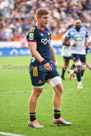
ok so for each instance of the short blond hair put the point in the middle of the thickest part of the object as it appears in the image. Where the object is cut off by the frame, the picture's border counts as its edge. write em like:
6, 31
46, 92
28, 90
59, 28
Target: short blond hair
41, 11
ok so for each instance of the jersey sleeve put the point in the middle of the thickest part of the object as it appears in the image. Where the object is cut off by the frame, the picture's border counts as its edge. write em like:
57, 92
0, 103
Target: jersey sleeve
68, 34
32, 36
87, 34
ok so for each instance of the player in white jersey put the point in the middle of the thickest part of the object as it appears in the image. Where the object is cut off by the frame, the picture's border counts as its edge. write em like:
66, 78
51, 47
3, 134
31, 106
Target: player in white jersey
79, 35
66, 53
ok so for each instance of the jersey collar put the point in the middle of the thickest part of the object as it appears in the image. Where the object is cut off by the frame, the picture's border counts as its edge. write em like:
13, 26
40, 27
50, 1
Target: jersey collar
42, 30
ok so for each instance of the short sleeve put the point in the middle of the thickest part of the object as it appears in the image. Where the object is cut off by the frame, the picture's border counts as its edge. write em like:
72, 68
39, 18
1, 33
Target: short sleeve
87, 34
32, 36
68, 34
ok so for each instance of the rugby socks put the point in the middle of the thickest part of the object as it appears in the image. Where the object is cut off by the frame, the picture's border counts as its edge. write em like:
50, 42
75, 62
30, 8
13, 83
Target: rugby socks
78, 76
73, 66
82, 74
32, 116
63, 72
75, 71
57, 114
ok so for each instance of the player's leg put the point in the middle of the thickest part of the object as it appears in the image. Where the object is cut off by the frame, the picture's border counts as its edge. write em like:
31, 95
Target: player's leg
83, 60
78, 65
88, 65
32, 106
57, 98
38, 80
33, 98
71, 71
54, 81
78, 72
66, 63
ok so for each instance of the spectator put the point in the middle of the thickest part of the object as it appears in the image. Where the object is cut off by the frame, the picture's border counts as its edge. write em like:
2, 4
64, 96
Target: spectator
18, 16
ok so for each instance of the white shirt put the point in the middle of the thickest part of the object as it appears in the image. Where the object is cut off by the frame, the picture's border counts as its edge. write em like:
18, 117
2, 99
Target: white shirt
66, 50
79, 38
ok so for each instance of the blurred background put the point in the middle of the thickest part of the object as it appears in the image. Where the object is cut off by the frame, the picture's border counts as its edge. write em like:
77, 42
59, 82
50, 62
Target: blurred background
18, 16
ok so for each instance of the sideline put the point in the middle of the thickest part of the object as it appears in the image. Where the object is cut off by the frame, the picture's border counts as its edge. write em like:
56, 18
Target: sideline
9, 134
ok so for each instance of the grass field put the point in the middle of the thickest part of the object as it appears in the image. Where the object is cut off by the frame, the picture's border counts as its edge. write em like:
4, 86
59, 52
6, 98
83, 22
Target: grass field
15, 89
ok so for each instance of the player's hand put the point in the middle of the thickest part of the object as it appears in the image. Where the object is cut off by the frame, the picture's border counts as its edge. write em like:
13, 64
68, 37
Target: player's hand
48, 67
88, 46
74, 45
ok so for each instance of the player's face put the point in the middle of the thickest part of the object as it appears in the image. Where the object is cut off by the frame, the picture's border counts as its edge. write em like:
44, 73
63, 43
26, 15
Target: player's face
44, 20
78, 25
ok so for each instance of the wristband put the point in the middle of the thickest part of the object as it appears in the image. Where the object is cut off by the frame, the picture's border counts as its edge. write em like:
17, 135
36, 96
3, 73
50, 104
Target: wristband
55, 63
71, 43
44, 62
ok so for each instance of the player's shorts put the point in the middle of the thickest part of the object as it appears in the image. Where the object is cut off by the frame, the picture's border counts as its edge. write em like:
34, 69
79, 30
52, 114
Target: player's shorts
81, 57
67, 58
39, 75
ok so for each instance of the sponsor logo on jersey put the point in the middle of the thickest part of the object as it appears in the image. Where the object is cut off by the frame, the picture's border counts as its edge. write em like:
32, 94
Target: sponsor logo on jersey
48, 33
32, 29
31, 36
45, 41
42, 34
79, 38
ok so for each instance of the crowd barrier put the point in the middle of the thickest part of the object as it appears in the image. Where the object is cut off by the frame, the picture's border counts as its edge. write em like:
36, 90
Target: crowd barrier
23, 51
16, 49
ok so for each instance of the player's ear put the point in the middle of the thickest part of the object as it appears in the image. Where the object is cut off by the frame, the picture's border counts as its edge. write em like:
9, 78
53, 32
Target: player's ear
38, 19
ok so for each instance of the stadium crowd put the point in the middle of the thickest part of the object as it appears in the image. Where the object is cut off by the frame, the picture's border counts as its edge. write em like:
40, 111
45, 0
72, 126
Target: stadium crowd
18, 16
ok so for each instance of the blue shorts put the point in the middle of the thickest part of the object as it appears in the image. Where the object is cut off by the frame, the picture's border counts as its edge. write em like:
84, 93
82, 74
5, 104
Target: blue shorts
82, 58
67, 58
39, 75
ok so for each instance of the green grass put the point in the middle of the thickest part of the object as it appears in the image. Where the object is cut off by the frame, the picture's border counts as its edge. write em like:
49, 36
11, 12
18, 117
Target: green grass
15, 89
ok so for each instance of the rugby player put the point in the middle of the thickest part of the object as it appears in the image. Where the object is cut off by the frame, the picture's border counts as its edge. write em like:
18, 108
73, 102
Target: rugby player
78, 35
42, 69
66, 53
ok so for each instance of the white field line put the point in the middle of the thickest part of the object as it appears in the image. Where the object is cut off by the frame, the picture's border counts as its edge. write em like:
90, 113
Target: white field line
9, 134
16, 92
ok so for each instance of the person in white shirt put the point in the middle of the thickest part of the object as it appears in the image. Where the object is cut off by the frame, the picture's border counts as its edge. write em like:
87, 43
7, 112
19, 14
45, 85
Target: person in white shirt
78, 35
66, 53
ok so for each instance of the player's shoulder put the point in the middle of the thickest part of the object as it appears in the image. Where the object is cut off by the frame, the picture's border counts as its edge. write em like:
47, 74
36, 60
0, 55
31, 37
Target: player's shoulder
83, 28
32, 31
47, 29
72, 29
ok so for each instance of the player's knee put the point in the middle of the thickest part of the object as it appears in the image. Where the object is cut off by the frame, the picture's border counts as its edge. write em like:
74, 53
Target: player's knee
37, 91
83, 67
59, 90
79, 66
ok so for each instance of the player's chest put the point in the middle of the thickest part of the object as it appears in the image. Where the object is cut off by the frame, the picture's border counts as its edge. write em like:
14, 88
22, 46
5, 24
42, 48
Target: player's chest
78, 36
44, 38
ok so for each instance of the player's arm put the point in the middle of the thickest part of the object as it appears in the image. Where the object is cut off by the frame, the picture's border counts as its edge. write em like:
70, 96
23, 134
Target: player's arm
53, 56
86, 43
86, 40
32, 43
66, 42
34, 52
